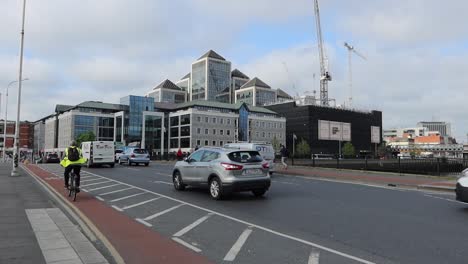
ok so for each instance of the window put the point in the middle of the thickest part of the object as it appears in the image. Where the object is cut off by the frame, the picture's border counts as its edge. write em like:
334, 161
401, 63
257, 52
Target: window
281, 125
213, 120
206, 131
174, 143
206, 119
228, 132
185, 120
269, 135
206, 142
221, 132
198, 130
245, 156
174, 121
280, 135
276, 125
257, 134
214, 131
198, 118
256, 124
228, 121
174, 132
263, 134
198, 142
195, 157
269, 125
263, 124
221, 143
185, 131
221, 120
185, 142
209, 156
214, 143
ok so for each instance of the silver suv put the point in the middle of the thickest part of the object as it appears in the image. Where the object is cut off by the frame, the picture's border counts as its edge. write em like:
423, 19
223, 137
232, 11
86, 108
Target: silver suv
224, 171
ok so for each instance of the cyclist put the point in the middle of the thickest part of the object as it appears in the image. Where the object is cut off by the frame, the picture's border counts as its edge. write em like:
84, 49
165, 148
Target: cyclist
72, 161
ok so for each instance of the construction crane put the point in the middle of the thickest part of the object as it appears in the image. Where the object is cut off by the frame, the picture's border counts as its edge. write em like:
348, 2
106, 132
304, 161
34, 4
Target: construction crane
325, 76
351, 49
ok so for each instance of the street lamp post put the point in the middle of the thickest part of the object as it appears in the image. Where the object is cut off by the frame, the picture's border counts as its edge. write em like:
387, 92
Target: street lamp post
14, 171
6, 118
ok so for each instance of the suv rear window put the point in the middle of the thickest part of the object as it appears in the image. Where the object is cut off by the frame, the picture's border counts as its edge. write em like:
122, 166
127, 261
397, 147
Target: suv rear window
245, 156
53, 156
139, 151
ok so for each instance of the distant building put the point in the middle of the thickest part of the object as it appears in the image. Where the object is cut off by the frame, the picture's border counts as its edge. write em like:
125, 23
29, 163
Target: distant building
184, 83
256, 92
210, 76
444, 128
168, 92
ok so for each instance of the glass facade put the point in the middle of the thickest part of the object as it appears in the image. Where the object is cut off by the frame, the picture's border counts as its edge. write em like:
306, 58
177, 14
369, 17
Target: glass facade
243, 124
265, 97
153, 133
245, 96
184, 84
102, 127
137, 104
199, 80
219, 77
223, 98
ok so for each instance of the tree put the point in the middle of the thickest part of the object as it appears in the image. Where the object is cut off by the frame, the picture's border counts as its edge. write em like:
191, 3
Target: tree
276, 144
85, 136
303, 149
348, 150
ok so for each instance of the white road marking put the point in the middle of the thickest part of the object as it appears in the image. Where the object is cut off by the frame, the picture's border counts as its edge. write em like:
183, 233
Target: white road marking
104, 187
286, 183
314, 258
180, 241
132, 169
324, 248
100, 198
192, 225
162, 174
95, 183
445, 199
117, 208
163, 182
84, 190
140, 203
162, 212
90, 180
121, 190
126, 197
144, 222
231, 255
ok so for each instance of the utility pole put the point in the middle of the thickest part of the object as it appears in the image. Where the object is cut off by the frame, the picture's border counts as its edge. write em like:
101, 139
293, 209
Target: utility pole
351, 49
14, 171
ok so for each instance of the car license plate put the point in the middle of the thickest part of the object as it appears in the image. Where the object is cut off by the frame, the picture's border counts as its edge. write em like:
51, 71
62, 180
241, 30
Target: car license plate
252, 172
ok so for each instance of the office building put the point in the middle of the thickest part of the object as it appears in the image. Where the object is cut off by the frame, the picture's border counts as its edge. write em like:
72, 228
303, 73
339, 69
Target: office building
168, 92
210, 76
256, 92
443, 128
184, 83
26, 135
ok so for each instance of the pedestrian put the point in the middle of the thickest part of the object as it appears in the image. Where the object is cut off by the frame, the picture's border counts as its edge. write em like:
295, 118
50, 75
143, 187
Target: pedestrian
196, 147
180, 155
284, 155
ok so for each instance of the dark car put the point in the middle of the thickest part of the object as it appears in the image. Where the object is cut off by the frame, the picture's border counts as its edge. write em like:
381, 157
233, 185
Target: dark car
52, 158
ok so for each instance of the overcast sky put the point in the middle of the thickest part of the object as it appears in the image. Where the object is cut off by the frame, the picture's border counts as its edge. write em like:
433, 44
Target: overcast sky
416, 67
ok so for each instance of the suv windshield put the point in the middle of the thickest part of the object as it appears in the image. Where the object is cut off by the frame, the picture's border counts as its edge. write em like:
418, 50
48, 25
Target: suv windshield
245, 156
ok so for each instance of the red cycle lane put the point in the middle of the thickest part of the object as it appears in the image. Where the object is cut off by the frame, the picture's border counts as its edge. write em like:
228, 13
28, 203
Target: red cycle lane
134, 242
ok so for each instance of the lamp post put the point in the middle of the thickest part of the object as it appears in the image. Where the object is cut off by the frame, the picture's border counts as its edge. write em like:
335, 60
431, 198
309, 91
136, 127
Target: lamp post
6, 118
14, 171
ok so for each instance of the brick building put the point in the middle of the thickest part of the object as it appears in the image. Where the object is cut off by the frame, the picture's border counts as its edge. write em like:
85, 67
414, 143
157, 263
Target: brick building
26, 136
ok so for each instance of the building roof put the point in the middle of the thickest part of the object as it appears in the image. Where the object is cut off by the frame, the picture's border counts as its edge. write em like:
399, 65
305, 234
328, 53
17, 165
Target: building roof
255, 82
215, 104
101, 105
62, 108
283, 94
239, 74
212, 54
186, 76
167, 84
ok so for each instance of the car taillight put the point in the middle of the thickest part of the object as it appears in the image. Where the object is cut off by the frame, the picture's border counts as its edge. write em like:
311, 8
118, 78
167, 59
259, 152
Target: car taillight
132, 156
266, 165
229, 166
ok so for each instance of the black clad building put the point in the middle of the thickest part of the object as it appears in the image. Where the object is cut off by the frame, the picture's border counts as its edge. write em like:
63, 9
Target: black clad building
303, 120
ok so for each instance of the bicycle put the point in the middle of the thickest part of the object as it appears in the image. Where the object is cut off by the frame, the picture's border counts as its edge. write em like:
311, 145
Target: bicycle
71, 186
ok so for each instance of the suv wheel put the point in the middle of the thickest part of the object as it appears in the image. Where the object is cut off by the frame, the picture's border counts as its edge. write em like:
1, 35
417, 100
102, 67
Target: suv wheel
177, 181
216, 190
259, 192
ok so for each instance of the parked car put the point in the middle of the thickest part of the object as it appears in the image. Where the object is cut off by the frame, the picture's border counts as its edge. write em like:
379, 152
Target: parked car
223, 171
135, 156
461, 190
52, 158
265, 149
118, 153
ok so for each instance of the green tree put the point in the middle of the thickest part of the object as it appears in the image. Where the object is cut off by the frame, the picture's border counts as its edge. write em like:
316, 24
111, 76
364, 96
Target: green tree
348, 150
303, 149
85, 136
276, 144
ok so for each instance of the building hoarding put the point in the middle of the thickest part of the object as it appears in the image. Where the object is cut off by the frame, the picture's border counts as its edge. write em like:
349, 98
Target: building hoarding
375, 134
331, 130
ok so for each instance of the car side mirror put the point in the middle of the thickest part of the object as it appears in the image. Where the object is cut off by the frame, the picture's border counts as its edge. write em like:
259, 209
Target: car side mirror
187, 160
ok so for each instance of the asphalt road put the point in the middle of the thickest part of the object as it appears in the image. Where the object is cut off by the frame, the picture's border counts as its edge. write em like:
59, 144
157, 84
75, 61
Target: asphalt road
298, 221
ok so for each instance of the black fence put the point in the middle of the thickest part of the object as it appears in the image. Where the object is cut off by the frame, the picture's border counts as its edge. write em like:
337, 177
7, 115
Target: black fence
428, 166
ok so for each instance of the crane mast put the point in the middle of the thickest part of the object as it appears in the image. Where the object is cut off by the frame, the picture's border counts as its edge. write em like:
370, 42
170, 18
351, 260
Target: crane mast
324, 75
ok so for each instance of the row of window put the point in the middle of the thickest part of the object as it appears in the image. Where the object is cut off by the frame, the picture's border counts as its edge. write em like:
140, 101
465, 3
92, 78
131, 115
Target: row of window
184, 120
214, 143
214, 120
214, 131
268, 124
269, 135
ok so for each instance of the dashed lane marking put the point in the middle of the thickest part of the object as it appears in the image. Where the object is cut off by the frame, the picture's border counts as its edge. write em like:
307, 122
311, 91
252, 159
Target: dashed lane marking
192, 225
90, 180
95, 183
162, 182
104, 187
314, 258
126, 197
116, 191
140, 203
236, 248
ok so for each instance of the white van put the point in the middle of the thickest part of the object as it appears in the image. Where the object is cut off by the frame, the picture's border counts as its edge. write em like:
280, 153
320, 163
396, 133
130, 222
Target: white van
99, 153
265, 149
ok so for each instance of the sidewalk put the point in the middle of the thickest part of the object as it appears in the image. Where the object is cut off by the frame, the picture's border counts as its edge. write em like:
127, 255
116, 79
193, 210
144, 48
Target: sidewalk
33, 230
373, 177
